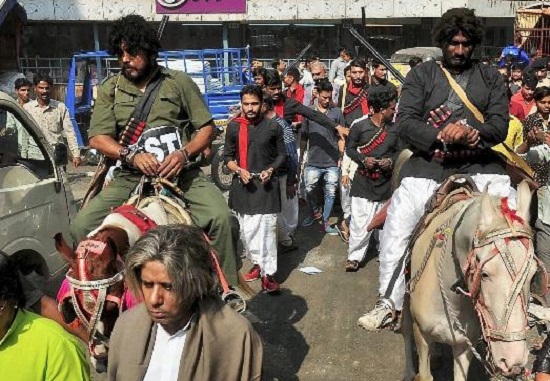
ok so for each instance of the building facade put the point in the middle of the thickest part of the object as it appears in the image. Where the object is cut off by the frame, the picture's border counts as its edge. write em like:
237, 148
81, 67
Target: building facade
280, 28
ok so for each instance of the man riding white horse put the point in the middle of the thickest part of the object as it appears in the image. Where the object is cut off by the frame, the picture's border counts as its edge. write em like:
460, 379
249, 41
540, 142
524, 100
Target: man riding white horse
446, 138
154, 121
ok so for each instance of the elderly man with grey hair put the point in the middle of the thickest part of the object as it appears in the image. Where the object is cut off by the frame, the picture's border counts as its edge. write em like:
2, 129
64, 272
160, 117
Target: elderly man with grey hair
182, 330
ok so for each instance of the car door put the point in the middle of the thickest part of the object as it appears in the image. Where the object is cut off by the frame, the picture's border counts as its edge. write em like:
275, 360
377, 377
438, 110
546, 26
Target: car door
33, 203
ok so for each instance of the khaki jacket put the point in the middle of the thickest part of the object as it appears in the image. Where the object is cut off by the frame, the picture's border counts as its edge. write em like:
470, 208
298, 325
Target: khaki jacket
220, 345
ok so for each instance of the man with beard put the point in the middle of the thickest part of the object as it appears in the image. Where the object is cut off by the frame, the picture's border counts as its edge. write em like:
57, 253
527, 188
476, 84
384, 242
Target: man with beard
177, 129
287, 108
373, 145
459, 143
254, 150
379, 81
355, 101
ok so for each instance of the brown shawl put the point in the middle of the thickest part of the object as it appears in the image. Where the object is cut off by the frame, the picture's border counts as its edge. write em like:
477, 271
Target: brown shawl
220, 345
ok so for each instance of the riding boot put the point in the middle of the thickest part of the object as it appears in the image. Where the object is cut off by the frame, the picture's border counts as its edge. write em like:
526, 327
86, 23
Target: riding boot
542, 362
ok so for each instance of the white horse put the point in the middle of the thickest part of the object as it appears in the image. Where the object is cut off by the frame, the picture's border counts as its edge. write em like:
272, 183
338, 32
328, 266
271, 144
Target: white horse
471, 271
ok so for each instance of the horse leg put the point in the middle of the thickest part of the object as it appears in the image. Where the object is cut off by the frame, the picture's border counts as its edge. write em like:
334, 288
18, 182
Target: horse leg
423, 347
462, 359
407, 332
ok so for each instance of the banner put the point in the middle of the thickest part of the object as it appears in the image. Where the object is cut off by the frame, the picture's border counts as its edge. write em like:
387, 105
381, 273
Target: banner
200, 6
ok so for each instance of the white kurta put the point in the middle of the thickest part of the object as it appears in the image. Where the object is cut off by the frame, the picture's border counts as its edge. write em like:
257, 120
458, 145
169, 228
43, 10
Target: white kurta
363, 211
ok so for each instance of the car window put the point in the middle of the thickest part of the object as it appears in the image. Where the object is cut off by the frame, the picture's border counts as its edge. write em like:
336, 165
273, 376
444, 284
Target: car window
18, 147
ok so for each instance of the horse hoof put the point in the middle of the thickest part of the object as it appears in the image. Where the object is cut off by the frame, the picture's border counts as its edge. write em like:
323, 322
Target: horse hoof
235, 301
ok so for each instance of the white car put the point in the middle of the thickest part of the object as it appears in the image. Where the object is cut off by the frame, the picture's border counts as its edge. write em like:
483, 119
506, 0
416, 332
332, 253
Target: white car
36, 201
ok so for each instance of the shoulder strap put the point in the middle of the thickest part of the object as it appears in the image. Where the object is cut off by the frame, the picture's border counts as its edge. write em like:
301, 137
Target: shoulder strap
143, 107
463, 97
510, 154
138, 119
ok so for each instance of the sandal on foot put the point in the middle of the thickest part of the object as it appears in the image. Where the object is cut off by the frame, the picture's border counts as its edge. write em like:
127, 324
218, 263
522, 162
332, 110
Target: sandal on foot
352, 266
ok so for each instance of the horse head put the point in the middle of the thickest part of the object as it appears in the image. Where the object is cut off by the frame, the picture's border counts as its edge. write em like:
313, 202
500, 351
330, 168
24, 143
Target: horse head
498, 274
95, 285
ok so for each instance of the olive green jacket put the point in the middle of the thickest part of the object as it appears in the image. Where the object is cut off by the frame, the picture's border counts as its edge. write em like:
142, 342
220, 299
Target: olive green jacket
179, 103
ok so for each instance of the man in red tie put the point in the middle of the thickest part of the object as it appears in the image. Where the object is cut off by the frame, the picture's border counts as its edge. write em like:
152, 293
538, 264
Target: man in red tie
254, 150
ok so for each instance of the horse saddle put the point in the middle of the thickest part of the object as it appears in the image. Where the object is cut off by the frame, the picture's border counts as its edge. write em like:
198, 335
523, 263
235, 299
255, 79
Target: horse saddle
454, 189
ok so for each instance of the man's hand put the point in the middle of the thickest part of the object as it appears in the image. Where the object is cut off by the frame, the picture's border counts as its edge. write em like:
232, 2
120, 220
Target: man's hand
291, 191
172, 164
345, 181
370, 162
77, 161
385, 164
244, 176
314, 93
342, 131
147, 163
439, 116
455, 133
547, 139
265, 175
473, 138
295, 125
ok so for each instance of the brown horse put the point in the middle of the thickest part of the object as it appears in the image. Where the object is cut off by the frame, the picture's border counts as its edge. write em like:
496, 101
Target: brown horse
94, 293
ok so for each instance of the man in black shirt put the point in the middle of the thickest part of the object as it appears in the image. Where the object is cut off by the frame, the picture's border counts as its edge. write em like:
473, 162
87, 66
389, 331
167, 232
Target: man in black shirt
373, 145
354, 96
444, 143
254, 149
379, 81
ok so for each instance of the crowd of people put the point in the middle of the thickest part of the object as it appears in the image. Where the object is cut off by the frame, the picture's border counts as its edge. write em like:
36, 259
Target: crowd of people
304, 136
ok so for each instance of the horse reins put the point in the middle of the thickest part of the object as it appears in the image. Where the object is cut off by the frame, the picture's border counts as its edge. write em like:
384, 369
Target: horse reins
96, 289
472, 271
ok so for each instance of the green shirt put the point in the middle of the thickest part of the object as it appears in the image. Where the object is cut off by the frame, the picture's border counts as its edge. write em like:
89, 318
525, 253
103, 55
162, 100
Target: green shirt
36, 349
179, 103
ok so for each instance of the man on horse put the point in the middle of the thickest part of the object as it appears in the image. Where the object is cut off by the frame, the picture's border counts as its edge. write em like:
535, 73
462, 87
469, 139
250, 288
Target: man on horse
174, 128
447, 137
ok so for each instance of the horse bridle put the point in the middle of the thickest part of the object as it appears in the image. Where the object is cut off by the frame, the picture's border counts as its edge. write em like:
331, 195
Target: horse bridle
95, 289
473, 270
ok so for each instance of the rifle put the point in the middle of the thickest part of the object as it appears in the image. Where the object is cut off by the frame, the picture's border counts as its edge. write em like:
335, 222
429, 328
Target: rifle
297, 59
162, 25
377, 55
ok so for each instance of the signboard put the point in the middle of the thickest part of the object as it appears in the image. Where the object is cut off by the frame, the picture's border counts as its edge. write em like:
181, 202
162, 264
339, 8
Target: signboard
200, 6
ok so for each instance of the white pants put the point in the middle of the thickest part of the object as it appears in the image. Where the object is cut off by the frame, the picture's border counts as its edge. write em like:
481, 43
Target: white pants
259, 236
287, 220
345, 200
363, 211
407, 207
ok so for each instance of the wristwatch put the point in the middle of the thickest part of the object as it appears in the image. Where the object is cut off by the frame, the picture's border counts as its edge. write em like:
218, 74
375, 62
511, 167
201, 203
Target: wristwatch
126, 155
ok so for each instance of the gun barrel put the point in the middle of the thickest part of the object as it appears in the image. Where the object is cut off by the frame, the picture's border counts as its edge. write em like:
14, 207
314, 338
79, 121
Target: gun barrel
377, 55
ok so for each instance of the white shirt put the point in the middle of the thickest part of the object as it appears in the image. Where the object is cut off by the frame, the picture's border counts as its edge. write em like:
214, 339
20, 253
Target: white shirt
166, 356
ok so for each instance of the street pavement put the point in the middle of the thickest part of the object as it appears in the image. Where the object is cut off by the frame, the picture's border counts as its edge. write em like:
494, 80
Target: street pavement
309, 329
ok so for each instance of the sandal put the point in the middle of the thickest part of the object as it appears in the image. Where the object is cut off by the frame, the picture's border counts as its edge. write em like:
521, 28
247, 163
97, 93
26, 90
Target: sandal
351, 266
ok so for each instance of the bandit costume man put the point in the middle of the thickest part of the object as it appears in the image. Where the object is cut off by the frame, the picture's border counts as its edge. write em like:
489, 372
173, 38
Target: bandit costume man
460, 143
158, 141
254, 150
355, 104
373, 145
